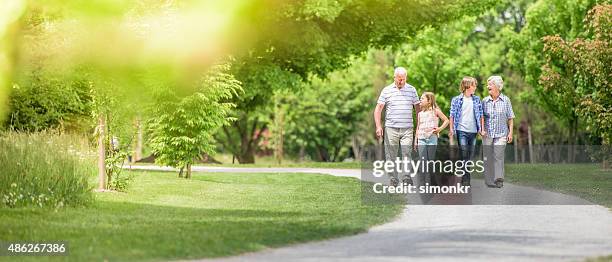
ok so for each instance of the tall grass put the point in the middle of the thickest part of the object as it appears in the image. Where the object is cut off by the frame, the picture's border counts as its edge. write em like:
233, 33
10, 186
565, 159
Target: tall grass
44, 170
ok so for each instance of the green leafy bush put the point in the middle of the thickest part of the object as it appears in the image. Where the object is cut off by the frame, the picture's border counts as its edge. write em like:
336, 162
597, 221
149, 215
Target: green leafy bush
181, 128
115, 177
44, 170
41, 101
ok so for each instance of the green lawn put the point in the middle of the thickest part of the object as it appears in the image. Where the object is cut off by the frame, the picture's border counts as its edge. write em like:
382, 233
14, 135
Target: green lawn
163, 217
600, 259
587, 181
308, 164
270, 161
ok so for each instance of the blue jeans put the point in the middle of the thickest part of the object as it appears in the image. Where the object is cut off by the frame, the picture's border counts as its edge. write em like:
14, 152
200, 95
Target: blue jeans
467, 146
427, 151
427, 147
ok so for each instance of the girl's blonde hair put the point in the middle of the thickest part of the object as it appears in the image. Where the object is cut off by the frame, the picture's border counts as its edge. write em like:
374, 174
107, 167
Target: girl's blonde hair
467, 82
432, 101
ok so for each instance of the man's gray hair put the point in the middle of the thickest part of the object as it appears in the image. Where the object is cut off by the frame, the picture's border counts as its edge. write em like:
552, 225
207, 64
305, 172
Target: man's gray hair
497, 81
400, 70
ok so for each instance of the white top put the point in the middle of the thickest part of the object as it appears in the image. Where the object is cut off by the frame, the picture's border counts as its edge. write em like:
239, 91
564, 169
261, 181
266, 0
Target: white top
428, 120
467, 120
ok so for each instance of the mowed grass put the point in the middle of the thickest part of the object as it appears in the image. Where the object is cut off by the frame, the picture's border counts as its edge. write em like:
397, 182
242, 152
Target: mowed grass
588, 181
309, 164
213, 214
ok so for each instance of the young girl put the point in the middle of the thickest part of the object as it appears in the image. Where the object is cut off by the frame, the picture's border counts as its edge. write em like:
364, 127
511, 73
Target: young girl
427, 129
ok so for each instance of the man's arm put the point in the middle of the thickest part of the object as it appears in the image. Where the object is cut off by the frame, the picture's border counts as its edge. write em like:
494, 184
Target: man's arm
377, 120
416, 133
417, 109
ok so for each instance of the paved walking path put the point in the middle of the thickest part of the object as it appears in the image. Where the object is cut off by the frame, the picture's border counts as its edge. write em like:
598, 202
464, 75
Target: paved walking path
514, 223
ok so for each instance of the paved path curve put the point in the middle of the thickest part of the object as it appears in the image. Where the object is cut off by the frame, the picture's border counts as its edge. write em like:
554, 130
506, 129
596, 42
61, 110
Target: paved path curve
524, 224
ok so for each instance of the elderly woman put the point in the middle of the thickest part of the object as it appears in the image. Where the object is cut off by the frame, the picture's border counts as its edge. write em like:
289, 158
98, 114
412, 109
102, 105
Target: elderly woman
498, 122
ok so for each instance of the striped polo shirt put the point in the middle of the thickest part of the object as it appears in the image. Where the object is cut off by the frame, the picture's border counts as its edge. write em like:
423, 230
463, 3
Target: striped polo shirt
399, 104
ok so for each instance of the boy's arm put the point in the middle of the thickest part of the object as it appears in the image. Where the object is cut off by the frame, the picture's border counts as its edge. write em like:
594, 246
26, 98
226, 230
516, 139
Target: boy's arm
451, 129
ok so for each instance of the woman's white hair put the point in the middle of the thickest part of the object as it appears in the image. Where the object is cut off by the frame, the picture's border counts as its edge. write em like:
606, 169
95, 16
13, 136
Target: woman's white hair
400, 71
497, 81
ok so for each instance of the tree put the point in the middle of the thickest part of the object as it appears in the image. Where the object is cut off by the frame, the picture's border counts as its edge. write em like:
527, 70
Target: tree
437, 59
547, 18
322, 117
318, 37
181, 128
276, 45
578, 72
43, 100
114, 131
254, 106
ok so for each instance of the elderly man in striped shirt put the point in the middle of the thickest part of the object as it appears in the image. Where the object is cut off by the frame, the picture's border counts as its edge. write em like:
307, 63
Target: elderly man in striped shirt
399, 99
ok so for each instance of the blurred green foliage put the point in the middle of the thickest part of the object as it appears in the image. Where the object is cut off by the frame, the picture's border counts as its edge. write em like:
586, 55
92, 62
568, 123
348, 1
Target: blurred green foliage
307, 38
43, 101
72, 62
323, 115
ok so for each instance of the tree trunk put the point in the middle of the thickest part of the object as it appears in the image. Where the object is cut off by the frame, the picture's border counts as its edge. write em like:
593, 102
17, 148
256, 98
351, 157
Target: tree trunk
279, 124
247, 156
279, 150
247, 150
516, 153
551, 157
188, 176
180, 175
302, 153
356, 149
242, 138
138, 148
323, 155
571, 155
101, 153
530, 142
335, 157
278, 147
